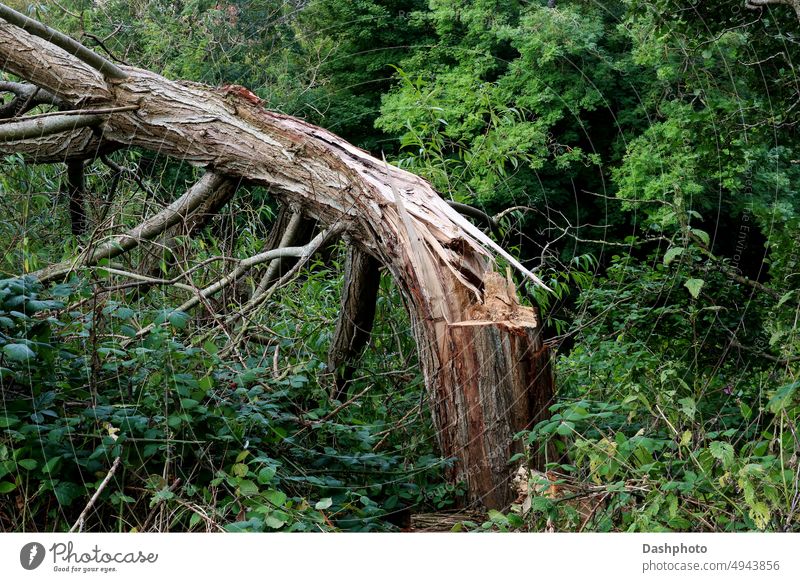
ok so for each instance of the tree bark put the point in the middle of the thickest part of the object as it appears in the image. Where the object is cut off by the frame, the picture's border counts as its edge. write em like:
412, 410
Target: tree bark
291, 229
486, 370
362, 278
75, 188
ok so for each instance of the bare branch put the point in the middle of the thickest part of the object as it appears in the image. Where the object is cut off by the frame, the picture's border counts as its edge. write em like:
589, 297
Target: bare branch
75, 187
759, 4
35, 128
27, 97
147, 230
468, 210
288, 238
303, 254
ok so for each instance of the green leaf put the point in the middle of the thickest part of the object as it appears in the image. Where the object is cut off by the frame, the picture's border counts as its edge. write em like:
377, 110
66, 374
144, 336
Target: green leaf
178, 319
324, 503
239, 469
277, 498
247, 488
28, 464
759, 513
6, 487
671, 254
565, 428
7, 421
688, 406
785, 297
274, 522
266, 475
50, 465
18, 352
702, 235
782, 398
194, 520
722, 451
694, 286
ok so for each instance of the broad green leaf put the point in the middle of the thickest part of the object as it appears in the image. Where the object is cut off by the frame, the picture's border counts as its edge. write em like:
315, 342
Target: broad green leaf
6, 487
722, 451
274, 522
248, 488
782, 398
694, 286
277, 498
28, 464
266, 475
18, 352
672, 254
702, 235
7, 421
324, 503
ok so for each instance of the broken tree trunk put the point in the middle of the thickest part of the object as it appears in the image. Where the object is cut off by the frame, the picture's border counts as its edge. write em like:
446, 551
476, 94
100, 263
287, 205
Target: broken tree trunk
486, 370
353, 327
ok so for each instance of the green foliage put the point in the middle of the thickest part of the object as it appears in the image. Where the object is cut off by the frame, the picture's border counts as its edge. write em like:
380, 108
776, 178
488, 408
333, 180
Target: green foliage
642, 158
221, 444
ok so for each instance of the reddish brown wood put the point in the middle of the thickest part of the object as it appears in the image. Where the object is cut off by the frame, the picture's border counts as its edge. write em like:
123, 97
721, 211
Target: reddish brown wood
481, 354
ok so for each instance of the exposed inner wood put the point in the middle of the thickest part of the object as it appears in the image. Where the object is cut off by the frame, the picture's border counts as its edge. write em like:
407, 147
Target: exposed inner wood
484, 382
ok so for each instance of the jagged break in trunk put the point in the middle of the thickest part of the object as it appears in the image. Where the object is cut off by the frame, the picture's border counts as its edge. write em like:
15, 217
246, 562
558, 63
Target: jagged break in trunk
486, 371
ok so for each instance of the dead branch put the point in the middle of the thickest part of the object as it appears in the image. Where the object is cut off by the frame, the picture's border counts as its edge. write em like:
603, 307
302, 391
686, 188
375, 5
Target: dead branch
147, 230
35, 128
760, 4
301, 253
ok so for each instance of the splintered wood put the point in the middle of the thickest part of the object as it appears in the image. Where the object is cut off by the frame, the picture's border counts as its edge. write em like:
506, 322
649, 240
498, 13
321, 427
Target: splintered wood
486, 369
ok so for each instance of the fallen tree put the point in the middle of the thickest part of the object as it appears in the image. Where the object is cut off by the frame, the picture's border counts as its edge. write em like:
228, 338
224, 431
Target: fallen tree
486, 369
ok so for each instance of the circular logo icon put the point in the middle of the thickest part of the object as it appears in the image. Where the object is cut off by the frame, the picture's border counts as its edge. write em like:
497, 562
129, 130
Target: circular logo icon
31, 555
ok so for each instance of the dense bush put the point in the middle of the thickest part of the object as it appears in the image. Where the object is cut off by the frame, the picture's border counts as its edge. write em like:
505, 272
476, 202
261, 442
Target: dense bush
641, 156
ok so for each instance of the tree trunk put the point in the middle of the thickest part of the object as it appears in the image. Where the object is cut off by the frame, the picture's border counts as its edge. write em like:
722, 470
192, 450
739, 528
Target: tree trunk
291, 229
362, 278
486, 371
75, 187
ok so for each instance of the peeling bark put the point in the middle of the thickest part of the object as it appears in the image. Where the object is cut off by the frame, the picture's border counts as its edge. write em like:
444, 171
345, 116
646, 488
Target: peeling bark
486, 370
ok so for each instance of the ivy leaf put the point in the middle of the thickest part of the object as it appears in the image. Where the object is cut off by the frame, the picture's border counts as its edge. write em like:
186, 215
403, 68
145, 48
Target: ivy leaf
694, 286
18, 352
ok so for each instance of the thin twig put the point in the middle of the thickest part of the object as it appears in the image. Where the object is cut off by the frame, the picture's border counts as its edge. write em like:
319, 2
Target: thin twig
78, 525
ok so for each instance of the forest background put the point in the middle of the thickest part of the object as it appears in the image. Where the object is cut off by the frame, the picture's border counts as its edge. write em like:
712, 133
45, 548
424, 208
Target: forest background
639, 156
